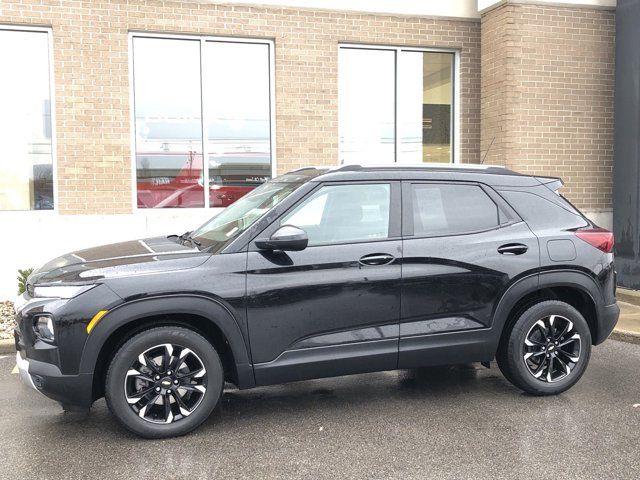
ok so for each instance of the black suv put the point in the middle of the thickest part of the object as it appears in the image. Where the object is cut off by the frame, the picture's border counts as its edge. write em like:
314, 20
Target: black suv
325, 272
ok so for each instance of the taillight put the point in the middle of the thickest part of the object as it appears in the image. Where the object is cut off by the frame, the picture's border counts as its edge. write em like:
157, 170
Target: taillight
600, 238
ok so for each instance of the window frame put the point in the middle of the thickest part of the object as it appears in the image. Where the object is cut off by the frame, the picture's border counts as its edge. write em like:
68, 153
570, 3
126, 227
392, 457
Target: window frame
205, 150
455, 98
408, 232
52, 108
395, 224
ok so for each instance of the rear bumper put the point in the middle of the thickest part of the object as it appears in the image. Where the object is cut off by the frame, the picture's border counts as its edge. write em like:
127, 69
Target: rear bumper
608, 320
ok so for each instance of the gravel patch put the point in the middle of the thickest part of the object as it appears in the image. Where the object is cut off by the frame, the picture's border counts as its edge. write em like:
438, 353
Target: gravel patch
7, 320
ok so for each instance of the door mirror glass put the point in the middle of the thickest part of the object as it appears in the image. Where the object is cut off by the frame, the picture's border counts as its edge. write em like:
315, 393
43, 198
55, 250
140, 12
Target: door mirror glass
286, 237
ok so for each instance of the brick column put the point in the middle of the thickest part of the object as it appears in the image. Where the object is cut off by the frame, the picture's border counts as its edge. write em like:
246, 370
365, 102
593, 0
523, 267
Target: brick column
547, 96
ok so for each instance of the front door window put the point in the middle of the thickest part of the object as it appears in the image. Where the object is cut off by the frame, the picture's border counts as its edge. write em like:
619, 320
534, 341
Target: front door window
344, 213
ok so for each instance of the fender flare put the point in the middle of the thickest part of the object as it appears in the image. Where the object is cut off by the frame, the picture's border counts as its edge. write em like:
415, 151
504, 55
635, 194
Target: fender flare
547, 279
132, 311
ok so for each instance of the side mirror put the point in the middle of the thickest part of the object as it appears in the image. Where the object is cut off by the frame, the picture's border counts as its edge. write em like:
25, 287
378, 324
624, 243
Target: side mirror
286, 237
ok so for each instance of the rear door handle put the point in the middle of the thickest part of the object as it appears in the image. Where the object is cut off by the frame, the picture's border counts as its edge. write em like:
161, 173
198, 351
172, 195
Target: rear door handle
377, 259
513, 249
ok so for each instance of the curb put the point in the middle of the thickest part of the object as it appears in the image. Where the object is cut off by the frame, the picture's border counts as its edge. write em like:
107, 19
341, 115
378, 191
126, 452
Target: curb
625, 336
629, 296
7, 346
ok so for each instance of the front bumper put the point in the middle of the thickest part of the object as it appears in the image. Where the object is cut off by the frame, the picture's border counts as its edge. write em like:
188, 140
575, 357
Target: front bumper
23, 368
72, 391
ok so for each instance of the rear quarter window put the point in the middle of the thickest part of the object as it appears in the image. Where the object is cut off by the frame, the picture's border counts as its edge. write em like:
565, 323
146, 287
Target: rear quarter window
540, 213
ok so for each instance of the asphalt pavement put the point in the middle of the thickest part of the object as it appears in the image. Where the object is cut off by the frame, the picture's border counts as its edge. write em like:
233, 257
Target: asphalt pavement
462, 422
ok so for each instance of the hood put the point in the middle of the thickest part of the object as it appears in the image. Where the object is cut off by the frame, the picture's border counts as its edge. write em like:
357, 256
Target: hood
136, 257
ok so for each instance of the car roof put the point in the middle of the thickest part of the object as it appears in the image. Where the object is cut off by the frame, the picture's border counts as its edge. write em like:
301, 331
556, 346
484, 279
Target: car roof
489, 174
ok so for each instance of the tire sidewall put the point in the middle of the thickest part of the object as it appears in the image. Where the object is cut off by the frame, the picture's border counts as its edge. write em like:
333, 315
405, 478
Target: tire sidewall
516, 347
129, 352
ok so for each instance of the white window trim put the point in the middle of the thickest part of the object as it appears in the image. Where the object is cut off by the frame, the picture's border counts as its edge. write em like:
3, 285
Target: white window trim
52, 107
205, 152
455, 118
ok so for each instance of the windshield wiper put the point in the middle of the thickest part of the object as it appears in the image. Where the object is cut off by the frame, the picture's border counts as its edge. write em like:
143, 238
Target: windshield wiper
186, 237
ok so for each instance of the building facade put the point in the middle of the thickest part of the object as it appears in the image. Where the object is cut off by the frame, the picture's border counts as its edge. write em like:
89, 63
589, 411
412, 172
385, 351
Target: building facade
116, 114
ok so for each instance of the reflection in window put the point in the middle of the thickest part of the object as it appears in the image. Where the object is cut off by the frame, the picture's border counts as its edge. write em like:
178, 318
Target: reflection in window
175, 81
424, 106
168, 122
366, 105
26, 163
236, 104
447, 209
395, 105
344, 213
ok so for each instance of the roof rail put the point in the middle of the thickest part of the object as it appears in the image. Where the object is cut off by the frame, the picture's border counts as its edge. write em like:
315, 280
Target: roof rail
426, 165
475, 166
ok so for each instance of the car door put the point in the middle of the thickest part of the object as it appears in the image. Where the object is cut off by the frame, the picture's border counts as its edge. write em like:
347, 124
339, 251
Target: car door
463, 246
334, 307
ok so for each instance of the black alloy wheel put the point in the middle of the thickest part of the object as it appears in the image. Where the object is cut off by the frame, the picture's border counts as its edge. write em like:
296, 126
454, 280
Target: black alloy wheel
164, 382
552, 348
545, 348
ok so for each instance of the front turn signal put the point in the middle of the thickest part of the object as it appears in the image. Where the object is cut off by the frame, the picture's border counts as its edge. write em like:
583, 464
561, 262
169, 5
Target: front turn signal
94, 321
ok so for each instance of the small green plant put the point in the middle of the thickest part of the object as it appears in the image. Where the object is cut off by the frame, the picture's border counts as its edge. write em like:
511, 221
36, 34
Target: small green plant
22, 279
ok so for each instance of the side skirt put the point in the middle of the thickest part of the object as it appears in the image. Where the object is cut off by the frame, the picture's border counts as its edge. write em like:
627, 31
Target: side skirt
449, 348
329, 361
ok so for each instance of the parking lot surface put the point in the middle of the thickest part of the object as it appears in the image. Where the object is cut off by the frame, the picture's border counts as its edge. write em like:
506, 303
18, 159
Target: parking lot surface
450, 422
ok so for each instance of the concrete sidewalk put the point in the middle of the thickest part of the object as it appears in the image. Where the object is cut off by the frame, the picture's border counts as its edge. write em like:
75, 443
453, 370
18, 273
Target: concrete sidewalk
628, 328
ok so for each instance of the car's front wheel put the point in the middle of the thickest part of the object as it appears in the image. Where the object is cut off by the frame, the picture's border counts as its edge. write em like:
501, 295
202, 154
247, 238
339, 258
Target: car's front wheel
164, 382
547, 349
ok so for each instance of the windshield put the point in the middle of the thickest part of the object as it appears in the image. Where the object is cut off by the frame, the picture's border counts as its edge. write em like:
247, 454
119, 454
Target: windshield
239, 216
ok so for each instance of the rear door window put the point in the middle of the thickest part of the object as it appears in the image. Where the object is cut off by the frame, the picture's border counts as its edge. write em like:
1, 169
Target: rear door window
451, 209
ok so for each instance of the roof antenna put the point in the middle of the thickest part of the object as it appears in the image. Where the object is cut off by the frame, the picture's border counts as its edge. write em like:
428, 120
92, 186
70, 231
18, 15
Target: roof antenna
485, 153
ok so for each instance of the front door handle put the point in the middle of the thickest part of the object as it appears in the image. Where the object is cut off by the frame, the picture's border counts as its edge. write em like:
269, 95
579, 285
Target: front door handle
513, 249
376, 259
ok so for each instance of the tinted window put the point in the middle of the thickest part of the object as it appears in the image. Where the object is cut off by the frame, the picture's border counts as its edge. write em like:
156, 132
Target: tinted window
541, 213
344, 213
447, 209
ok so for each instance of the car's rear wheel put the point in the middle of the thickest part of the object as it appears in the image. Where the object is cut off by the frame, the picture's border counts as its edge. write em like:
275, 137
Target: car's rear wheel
164, 382
547, 349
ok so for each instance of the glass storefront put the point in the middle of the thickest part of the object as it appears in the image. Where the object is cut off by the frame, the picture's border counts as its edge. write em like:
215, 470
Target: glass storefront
395, 105
26, 162
181, 85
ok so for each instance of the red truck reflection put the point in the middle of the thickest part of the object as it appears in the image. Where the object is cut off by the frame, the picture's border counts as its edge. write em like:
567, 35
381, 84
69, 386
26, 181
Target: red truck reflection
186, 189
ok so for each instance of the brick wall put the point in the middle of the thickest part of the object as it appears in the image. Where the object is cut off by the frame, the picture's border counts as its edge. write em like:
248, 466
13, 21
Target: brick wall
90, 42
547, 95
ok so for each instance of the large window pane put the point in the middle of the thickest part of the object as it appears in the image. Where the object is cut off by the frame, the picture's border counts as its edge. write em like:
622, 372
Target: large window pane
167, 98
26, 163
366, 105
395, 105
424, 106
236, 106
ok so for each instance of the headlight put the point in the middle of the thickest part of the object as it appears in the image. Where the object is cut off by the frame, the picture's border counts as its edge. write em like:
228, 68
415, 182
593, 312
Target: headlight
43, 326
62, 291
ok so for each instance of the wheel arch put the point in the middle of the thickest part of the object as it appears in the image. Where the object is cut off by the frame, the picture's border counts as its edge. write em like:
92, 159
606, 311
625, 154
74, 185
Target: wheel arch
204, 315
576, 288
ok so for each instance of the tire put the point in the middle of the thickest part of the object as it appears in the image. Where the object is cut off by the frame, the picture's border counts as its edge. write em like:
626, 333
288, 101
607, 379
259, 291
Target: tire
192, 391
547, 348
